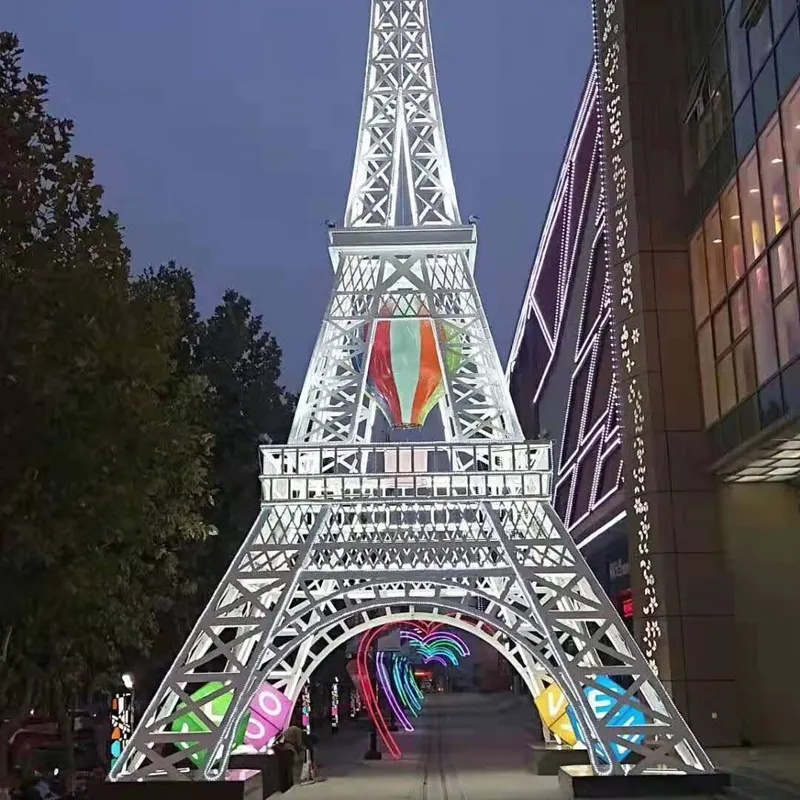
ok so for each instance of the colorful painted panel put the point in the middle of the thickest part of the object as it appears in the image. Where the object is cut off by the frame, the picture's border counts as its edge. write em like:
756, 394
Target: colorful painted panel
405, 372
121, 724
215, 710
269, 714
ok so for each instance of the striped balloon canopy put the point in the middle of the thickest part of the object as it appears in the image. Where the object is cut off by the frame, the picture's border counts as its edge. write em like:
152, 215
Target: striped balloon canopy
404, 376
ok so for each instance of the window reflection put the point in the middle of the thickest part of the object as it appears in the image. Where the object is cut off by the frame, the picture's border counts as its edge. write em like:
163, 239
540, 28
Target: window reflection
760, 41
745, 368
762, 322
715, 258
782, 10
791, 142
740, 314
732, 233
787, 327
708, 376
727, 384
722, 331
781, 265
699, 280
737, 57
752, 216
773, 183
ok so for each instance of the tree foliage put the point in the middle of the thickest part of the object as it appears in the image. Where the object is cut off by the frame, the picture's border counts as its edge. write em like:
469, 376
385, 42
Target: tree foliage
245, 405
103, 442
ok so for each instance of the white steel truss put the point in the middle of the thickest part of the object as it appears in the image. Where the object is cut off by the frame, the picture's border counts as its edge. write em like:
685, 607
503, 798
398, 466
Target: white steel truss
353, 534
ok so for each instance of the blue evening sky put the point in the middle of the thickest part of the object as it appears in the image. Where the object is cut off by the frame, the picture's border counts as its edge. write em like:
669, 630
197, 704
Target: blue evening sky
224, 132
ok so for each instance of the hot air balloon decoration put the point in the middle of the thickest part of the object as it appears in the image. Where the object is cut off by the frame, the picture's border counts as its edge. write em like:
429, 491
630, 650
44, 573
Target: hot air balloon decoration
405, 376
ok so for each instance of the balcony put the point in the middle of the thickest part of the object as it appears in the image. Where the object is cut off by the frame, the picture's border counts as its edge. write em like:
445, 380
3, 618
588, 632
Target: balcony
399, 473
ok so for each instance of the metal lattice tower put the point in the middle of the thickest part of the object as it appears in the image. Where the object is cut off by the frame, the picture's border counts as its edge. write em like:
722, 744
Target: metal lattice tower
353, 534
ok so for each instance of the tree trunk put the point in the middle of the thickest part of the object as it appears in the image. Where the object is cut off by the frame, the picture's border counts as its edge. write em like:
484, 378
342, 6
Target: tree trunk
7, 729
66, 733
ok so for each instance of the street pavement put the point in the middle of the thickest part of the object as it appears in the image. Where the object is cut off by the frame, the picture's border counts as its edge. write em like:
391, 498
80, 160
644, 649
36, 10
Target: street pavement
465, 747
478, 747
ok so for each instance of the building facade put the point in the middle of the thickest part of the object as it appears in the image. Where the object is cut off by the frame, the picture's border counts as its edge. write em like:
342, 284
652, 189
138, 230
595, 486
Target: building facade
697, 206
561, 369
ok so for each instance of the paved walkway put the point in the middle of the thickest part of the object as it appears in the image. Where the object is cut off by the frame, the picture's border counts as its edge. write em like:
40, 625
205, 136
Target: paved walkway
476, 747
465, 747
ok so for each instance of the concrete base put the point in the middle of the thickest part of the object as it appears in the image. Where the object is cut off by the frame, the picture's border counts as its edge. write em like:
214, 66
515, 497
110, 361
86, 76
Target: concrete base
239, 784
578, 781
265, 764
549, 758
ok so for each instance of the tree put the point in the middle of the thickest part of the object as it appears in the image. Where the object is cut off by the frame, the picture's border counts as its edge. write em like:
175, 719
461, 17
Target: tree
103, 446
245, 405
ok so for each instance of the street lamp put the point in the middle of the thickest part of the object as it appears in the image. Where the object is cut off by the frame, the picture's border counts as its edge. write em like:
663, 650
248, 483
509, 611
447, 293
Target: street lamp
127, 680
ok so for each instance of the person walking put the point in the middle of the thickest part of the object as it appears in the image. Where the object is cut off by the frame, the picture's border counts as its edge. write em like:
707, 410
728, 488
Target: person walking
292, 740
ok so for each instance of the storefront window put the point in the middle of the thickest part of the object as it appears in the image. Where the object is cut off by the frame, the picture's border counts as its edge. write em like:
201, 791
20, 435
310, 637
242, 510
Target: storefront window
722, 330
715, 258
762, 321
781, 265
745, 368
752, 215
727, 384
787, 326
791, 143
732, 233
740, 314
773, 183
699, 280
708, 377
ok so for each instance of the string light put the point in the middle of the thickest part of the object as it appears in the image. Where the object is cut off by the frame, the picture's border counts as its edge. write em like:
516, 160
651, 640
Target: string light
335, 704
306, 707
606, 30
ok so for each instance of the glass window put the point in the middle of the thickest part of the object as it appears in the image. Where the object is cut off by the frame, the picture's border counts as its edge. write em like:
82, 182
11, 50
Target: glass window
787, 57
773, 182
717, 60
740, 314
760, 41
722, 330
745, 368
727, 384
715, 258
797, 246
791, 143
762, 322
752, 218
765, 94
744, 127
737, 56
787, 326
781, 265
708, 377
699, 279
782, 10
732, 233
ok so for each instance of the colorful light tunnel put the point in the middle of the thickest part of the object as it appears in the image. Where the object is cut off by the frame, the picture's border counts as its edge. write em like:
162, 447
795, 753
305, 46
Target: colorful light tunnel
395, 681
395, 676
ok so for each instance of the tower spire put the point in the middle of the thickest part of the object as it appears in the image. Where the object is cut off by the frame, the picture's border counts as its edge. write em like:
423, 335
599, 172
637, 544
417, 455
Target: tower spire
401, 135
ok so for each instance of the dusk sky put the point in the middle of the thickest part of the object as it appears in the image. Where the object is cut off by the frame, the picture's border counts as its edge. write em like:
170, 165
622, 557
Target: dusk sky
224, 132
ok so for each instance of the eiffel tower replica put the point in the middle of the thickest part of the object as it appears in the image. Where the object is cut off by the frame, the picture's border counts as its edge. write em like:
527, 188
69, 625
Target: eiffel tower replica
353, 533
